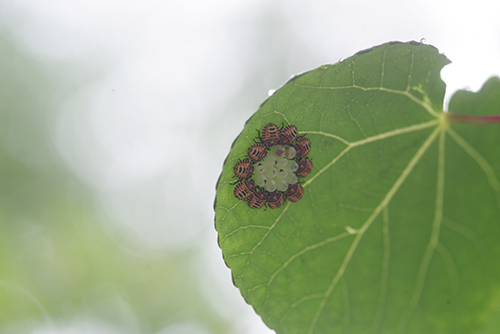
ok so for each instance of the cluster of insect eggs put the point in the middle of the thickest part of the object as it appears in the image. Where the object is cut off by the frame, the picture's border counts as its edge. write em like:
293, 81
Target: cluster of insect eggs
277, 160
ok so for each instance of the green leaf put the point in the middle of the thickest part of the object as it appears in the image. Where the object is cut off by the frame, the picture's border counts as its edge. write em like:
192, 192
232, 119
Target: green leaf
485, 102
399, 227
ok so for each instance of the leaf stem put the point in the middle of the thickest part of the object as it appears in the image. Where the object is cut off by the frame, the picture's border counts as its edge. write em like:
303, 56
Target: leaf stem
472, 119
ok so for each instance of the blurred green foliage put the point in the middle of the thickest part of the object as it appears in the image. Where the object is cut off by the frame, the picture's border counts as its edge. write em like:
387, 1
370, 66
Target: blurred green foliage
57, 258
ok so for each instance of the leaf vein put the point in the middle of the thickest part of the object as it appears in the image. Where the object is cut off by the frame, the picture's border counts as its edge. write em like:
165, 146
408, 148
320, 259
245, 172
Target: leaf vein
369, 221
285, 209
423, 103
381, 136
300, 253
451, 269
384, 279
433, 240
481, 161
243, 228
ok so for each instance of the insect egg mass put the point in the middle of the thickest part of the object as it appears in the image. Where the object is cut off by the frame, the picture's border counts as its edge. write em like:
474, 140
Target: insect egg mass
276, 170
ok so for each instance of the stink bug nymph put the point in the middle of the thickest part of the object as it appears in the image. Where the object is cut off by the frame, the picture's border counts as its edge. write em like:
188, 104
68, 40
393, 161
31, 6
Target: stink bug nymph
294, 192
258, 199
303, 147
257, 152
244, 189
305, 167
270, 135
243, 169
288, 135
275, 199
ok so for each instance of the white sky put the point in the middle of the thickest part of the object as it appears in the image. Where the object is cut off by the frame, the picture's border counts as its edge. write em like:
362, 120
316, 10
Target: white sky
151, 131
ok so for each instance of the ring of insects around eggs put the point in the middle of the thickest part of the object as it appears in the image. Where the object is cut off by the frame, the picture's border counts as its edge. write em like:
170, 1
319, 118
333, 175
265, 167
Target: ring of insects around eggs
270, 173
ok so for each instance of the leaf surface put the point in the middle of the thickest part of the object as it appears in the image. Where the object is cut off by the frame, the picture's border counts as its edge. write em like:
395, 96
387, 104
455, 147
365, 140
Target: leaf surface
398, 228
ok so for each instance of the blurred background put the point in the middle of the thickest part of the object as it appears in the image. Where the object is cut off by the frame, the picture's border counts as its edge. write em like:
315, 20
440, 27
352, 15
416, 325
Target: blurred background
115, 119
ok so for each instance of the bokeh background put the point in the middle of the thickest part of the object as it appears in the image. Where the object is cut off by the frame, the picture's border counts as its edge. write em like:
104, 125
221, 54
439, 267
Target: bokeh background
115, 119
